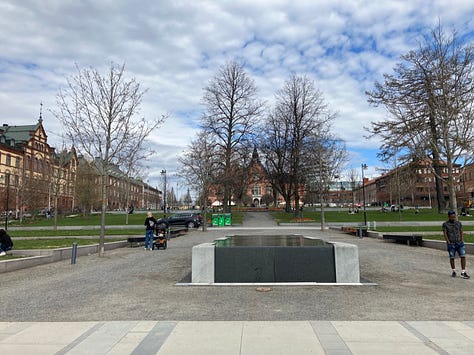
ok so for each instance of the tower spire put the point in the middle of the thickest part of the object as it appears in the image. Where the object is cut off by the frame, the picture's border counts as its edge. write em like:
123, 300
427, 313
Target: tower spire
41, 113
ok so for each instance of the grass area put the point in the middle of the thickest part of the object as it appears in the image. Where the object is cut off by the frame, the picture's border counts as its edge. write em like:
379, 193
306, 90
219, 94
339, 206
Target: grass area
54, 243
372, 215
79, 220
237, 217
90, 220
118, 219
73, 233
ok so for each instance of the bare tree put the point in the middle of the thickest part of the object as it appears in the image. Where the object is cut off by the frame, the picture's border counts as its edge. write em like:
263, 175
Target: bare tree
133, 162
299, 114
231, 112
326, 157
198, 168
187, 200
99, 115
353, 179
430, 98
86, 187
58, 179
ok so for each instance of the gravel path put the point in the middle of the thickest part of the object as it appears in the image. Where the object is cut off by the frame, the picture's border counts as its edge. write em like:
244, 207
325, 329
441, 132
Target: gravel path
413, 283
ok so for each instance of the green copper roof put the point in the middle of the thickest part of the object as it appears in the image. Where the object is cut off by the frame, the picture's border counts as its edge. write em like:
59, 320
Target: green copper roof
19, 134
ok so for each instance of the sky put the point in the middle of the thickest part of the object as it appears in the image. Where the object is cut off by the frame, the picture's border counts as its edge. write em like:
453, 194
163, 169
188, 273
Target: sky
175, 47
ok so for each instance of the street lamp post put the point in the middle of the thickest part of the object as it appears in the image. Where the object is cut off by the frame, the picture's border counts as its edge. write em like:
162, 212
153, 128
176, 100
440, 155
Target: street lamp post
163, 172
364, 166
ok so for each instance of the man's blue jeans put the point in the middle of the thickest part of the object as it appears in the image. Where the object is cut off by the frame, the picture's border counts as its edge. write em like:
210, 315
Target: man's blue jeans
5, 249
149, 239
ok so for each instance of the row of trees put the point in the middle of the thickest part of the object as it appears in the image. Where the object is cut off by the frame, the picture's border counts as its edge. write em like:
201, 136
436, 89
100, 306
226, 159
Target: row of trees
294, 139
430, 98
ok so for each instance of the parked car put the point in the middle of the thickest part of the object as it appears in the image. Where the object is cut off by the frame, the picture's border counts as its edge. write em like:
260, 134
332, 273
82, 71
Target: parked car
189, 220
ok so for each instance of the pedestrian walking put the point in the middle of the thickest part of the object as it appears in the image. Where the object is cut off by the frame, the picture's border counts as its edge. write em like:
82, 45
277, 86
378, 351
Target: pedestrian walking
150, 223
454, 236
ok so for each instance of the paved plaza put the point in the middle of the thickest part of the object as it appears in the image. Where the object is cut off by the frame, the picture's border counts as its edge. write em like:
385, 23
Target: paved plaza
134, 301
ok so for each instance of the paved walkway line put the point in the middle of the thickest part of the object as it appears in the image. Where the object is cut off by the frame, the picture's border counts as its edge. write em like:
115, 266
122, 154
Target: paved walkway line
237, 337
155, 339
79, 339
423, 338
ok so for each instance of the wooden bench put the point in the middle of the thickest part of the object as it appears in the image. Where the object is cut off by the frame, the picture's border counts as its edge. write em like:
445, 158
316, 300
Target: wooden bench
355, 231
405, 238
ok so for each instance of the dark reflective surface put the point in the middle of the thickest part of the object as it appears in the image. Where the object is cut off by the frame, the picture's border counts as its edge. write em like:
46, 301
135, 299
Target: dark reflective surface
269, 240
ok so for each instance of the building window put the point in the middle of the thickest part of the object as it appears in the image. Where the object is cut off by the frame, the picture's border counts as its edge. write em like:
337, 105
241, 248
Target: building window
17, 164
256, 190
9, 160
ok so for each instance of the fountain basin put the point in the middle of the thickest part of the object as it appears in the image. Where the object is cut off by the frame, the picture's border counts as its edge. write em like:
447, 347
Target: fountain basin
274, 259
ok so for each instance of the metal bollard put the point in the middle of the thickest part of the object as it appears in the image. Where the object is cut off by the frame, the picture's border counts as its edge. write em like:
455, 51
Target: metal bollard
375, 225
360, 232
74, 253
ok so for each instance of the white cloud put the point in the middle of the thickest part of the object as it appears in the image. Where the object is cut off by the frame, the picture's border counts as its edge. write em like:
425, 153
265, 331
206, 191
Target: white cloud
174, 47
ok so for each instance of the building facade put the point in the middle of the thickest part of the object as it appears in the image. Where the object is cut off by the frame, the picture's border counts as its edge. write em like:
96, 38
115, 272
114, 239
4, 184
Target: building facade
413, 184
33, 175
257, 188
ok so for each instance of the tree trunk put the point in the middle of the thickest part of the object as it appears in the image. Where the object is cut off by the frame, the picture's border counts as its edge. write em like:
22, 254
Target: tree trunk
439, 186
321, 200
453, 204
297, 201
102, 215
55, 212
287, 203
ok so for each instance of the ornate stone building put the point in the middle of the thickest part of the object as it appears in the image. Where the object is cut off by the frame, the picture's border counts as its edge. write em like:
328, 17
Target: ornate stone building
36, 177
33, 175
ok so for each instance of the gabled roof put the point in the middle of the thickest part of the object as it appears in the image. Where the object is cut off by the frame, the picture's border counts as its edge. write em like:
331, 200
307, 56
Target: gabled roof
16, 136
19, 133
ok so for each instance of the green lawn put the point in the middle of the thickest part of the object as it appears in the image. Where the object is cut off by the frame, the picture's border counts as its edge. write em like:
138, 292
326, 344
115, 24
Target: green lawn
116, 219
90, 220
71, 232
372, 215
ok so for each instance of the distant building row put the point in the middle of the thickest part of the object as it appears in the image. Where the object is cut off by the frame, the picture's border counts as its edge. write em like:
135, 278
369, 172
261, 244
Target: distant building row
35, 176
412, 184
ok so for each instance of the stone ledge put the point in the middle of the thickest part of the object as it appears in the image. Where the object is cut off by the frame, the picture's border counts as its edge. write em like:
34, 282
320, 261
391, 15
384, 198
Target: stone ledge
44, 256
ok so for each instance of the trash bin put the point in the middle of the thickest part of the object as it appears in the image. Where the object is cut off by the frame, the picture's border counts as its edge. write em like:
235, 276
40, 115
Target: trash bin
228, 219
215, 219
221, 220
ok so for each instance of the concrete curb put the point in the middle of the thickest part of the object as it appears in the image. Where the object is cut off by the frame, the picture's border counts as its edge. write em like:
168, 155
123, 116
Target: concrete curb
45, 256
427, 243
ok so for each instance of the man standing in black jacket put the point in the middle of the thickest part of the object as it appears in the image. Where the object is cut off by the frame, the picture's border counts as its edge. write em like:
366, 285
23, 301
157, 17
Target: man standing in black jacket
150, 223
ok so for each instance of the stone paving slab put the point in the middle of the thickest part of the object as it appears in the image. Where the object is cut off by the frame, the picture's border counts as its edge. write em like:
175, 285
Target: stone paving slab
237, 337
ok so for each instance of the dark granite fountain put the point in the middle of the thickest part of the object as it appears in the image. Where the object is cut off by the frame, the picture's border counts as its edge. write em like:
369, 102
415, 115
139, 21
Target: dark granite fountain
274, 259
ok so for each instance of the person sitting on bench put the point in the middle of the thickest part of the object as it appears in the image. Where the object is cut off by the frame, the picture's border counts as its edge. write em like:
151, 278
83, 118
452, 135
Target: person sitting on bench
6, 243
